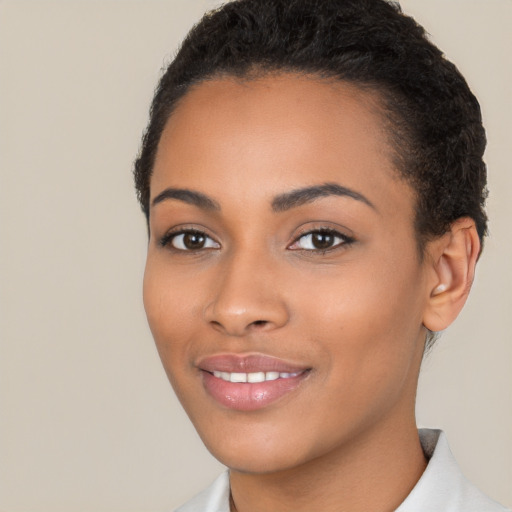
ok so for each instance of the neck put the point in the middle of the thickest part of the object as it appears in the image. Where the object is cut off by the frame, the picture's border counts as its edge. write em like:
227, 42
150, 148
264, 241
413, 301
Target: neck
374, 472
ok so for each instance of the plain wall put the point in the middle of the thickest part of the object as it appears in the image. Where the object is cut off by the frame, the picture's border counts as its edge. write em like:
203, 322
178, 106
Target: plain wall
88, 421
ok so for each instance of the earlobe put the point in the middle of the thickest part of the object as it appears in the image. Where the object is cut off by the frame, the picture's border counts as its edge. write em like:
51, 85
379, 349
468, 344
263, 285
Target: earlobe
453, 258
440, 288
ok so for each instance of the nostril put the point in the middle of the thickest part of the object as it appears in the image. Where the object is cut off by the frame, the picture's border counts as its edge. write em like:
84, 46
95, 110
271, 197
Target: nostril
259, 323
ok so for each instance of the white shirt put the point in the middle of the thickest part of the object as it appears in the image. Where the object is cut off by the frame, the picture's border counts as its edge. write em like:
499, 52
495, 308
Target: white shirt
441, 488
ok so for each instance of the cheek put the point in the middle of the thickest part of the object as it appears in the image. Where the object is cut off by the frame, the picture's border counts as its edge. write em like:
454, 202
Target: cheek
361, 300
368, 325
169, 307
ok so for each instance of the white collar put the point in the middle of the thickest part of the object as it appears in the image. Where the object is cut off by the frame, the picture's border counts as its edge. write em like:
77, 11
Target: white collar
441, 488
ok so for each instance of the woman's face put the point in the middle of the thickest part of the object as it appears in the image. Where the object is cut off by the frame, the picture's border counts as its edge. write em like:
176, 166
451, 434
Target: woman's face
283, 285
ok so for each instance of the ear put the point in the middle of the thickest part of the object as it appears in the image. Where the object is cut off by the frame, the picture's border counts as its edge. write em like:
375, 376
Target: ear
452, 260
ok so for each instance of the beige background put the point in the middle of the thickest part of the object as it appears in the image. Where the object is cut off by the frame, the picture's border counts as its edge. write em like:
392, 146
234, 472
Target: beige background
87, 419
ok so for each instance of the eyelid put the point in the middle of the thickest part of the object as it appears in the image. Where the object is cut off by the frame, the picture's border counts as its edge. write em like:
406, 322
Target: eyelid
171, 234
346, 240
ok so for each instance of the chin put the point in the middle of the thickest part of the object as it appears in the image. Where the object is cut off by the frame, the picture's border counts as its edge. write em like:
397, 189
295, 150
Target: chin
257, 461
256, 454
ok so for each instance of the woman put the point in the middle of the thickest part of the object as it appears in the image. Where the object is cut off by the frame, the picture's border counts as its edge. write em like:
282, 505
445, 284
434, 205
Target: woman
313, 181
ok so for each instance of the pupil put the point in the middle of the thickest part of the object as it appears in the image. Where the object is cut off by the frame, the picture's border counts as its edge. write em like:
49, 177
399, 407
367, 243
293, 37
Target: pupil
193, 240
322, 240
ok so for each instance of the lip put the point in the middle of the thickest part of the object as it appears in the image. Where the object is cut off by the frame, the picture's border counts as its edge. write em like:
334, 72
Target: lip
247, 396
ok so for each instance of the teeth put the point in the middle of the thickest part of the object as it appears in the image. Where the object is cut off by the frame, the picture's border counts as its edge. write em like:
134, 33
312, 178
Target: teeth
256, 377
238, 377
253, 377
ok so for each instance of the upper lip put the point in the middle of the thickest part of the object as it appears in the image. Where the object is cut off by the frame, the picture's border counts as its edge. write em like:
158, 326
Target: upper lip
248, 363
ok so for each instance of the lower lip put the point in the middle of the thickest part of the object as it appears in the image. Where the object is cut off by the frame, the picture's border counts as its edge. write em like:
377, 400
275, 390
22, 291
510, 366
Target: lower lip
246, 396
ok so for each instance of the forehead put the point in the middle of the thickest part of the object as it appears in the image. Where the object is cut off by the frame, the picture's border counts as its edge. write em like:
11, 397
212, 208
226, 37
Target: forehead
276, 133
279, 104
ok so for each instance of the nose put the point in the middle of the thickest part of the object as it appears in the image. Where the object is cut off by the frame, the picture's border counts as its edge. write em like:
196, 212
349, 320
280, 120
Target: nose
247, 298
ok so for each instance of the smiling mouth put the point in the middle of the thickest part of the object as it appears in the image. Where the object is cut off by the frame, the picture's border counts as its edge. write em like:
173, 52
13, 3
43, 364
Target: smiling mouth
249, 382
251, 391
254, 377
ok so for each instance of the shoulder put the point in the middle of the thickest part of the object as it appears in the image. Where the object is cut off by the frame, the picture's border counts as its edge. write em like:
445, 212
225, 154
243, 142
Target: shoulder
213, 499
442, 486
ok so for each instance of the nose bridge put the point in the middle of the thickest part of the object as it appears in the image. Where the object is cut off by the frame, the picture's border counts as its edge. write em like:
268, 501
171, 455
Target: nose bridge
246, 296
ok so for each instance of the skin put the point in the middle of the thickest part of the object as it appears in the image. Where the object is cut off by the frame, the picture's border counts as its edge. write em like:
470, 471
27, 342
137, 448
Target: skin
355, 315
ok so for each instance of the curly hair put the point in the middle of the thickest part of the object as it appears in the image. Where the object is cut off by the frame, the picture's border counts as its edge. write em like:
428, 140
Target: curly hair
432, 118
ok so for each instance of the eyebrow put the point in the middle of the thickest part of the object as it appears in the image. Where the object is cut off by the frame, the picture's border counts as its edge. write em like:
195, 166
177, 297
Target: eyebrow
187, 196
295, 198
280, 203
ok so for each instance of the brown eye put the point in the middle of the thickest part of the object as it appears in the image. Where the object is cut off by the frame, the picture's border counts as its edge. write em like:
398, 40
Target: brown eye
321, 240
192, 241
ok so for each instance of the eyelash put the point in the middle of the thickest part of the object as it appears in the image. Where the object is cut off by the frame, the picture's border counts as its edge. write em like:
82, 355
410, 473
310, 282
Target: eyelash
169, 237
343, 240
